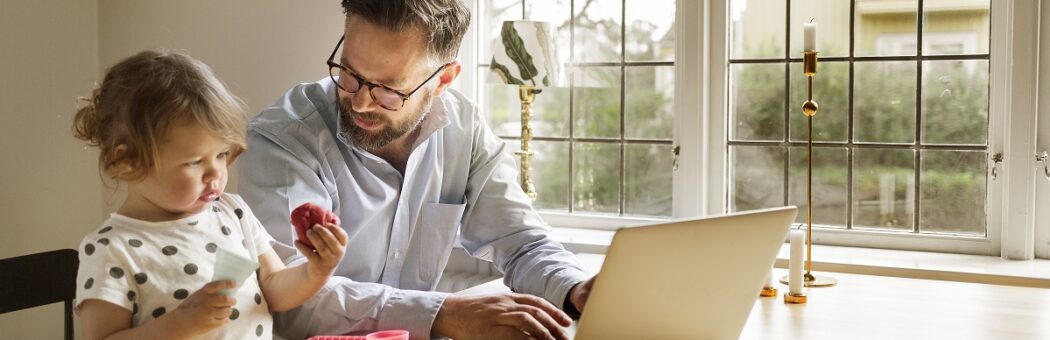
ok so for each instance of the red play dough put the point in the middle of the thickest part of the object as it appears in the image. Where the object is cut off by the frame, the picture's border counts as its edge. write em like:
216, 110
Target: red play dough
308, 215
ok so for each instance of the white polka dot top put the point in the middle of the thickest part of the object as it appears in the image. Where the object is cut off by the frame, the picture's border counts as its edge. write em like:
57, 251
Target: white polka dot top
150, 267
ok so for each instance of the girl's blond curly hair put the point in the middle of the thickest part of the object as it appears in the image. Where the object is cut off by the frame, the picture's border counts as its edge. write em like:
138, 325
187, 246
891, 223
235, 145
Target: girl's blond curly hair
141, 97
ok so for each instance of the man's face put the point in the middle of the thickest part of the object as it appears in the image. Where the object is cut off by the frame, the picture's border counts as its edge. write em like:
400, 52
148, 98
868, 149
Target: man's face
397, 60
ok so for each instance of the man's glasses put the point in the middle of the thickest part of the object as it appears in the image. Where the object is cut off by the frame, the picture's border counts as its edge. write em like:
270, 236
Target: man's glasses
386, 97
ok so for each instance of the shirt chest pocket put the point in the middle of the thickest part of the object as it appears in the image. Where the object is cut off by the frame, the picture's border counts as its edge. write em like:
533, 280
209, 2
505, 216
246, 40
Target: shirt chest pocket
440, 224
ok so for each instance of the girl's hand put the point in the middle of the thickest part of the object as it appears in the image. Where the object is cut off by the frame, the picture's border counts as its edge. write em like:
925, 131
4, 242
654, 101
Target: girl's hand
330, 243
205, 309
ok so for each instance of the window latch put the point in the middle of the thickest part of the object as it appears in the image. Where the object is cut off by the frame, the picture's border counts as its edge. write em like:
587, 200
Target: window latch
676, 150
1043, 158
997, 161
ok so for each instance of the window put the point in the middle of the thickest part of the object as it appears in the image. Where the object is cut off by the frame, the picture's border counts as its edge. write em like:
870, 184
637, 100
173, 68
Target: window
604, 142
913, 107
901, 136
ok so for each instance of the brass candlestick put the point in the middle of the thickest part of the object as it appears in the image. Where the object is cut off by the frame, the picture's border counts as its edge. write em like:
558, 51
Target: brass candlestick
527, 94
809, 108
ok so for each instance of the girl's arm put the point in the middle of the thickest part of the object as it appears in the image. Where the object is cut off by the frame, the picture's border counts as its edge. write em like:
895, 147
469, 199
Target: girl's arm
201, 312
287, 288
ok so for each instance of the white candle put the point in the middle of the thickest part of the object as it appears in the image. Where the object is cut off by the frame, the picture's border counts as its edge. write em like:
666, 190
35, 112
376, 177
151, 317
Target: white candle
795, 280
770, 283
809, 41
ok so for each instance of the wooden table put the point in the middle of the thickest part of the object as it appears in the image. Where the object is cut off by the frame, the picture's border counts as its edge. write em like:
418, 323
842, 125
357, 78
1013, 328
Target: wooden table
878, 307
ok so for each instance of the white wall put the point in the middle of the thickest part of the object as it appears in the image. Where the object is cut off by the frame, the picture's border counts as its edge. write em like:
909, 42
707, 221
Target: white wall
260, 48
50, 191
51, 51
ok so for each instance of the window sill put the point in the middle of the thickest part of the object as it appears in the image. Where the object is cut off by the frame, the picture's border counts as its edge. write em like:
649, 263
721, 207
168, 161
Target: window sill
868, 261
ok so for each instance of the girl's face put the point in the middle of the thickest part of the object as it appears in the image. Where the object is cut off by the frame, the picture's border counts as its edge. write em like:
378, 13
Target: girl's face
190, 172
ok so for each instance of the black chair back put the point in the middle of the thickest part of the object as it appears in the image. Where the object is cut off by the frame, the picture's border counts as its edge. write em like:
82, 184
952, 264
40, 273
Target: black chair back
40, 279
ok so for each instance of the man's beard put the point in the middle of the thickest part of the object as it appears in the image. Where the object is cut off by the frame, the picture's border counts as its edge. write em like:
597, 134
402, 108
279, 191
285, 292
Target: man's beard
374, 140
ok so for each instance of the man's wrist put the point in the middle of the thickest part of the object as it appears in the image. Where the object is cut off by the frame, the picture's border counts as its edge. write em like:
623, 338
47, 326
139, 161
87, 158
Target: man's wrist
568, 306
438, 329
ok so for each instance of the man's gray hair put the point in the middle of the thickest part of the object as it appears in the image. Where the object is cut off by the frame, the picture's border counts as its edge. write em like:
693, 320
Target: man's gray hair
443, 22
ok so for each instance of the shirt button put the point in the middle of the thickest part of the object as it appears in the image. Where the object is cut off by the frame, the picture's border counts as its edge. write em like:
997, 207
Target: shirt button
397, 254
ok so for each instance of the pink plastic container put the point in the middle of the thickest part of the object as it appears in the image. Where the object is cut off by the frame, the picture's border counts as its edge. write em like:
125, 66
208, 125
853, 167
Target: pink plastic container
380, 335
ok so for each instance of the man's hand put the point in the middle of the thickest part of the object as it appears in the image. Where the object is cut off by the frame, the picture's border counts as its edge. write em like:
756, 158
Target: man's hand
579, 293
501, 316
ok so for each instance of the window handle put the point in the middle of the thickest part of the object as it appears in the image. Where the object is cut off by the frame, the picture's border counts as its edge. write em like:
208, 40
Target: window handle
676, 150
1043, 158
997, 161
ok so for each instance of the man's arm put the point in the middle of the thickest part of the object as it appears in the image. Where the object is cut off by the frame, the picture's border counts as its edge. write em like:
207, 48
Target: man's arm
502, 226
273, 181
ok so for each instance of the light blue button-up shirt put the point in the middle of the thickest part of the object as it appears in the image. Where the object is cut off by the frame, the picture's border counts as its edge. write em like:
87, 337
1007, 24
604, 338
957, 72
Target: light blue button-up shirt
459, 185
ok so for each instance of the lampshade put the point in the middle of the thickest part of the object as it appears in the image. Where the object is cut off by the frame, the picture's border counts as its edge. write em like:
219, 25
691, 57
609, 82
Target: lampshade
525, 54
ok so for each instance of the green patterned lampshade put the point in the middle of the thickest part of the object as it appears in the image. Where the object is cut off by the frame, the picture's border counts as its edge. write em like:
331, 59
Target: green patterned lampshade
525, 54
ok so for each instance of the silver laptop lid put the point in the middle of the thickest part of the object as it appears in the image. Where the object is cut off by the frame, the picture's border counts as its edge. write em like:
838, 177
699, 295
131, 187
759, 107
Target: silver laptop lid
686, 279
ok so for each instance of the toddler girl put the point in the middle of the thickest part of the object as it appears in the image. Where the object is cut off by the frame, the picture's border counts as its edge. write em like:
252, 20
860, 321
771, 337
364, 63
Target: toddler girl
168, 128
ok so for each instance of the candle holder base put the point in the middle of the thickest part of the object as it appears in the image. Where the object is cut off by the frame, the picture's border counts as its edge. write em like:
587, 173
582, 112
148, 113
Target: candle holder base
793, 298
768, 292
814, 281
820, 281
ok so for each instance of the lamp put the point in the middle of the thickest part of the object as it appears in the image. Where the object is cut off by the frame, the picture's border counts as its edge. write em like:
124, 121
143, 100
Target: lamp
526, 56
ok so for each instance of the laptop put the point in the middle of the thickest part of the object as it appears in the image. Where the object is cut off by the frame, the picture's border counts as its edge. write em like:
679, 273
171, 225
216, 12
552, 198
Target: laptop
686, 279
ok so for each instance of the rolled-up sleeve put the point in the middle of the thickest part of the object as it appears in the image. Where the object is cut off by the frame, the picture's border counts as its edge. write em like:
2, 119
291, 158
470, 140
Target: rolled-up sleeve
501, 226
274, 180
345, 306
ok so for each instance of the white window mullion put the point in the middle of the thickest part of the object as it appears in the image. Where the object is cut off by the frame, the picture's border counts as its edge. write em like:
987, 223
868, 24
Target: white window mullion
1015, 37
1042, 192
468, 57
714, 144
690, 120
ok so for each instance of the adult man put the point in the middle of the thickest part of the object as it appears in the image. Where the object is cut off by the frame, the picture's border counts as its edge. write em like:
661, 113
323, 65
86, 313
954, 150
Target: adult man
409, 166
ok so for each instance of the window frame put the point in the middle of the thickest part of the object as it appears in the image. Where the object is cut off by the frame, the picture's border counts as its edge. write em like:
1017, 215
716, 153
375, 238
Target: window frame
471, 60
1007, 36
701, 180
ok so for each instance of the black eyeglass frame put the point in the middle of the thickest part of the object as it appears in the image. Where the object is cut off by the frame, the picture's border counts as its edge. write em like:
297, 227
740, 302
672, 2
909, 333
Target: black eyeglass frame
371, 86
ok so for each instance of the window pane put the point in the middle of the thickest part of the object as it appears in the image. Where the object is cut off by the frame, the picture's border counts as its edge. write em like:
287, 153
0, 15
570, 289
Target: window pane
955, 102
955, 27
502, 106
550, 172
550, 113
832, 18
831, 92
756, 101
649, 101
886, 28
756, 29
830, 185
596, 101
597, 28
490, 21
648, 184
883, 188
596, 177
650, 30
557, 13
885, 101
758, 177
953, 192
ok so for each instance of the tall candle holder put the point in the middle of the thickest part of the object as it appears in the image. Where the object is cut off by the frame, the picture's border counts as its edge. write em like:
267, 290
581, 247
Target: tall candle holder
809, 108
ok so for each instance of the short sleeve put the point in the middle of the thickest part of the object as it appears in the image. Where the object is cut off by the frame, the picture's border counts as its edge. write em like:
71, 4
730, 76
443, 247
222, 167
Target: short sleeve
259, 241
103, 274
